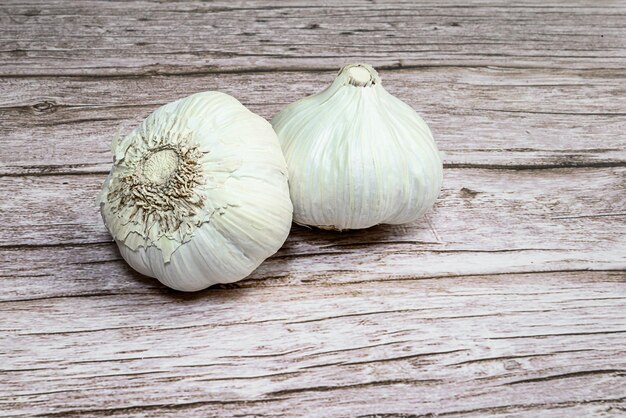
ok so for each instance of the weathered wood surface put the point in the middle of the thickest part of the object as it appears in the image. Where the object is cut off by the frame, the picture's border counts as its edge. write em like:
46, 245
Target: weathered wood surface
146, 38
507, 299
480, 116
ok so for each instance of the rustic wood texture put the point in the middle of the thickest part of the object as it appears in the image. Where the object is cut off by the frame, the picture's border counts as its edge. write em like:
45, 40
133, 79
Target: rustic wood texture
508, 299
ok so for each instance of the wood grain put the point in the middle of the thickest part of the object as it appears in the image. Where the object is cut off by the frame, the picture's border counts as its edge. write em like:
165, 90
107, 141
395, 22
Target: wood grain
486, 221
480, 117
144, 38
444, 346
508, 299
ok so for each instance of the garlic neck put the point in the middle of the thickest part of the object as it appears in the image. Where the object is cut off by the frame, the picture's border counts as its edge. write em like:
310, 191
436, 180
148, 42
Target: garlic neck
360, 75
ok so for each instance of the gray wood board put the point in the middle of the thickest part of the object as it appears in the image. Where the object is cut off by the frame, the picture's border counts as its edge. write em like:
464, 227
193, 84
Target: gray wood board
507, 299
120, 38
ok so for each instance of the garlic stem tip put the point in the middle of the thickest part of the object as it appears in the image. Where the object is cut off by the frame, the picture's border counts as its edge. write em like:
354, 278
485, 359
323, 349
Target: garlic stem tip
359, 75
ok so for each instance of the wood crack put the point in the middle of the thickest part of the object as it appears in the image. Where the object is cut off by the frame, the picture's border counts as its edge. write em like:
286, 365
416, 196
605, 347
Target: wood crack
407, 357
148, 72
485, 274
69, 170
538, 406
536, 112
619, 372
565, 334
513, 357
130, 409
597, 215
355, 386
327, 318
543, 166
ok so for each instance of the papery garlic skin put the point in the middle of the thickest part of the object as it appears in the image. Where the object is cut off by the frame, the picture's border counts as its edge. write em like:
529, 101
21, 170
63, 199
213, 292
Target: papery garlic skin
358, 156
198, 193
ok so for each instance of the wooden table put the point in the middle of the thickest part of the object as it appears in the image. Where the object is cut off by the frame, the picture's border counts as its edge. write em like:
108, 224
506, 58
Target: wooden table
507, 299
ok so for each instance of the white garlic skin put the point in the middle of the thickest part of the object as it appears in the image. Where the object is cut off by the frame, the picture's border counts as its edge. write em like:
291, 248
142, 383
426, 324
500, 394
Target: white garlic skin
358, 156
235, 210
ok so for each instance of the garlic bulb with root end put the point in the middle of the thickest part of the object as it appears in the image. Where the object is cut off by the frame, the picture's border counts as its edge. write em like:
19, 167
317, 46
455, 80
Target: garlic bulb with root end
198, 193
358, 156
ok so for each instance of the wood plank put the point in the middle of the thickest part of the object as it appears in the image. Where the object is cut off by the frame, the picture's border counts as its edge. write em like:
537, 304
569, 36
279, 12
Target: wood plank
124, 38
509, 298
485, 222
480, 117
470, 346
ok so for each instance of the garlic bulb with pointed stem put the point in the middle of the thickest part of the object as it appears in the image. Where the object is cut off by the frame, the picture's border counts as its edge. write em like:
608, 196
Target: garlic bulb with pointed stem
198, 193
358, 156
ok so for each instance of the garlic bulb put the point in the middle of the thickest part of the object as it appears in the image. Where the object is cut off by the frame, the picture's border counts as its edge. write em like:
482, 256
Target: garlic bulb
357, 156
198, 193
